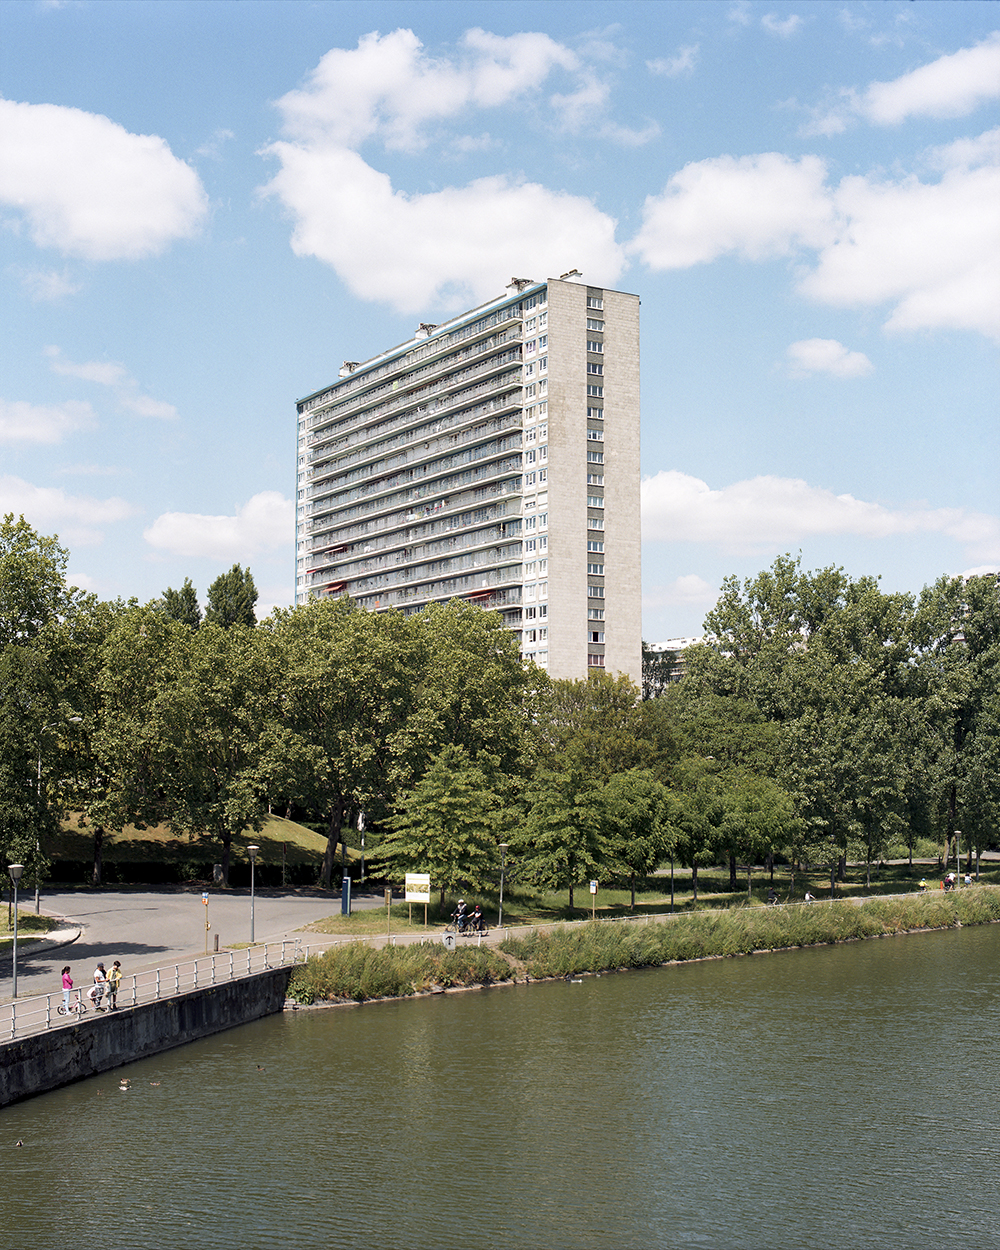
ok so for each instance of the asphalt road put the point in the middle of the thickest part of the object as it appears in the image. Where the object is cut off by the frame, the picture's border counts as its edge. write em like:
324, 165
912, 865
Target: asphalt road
158, 927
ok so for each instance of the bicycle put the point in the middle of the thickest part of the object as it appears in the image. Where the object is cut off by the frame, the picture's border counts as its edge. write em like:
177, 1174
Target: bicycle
76, 1008
468, 929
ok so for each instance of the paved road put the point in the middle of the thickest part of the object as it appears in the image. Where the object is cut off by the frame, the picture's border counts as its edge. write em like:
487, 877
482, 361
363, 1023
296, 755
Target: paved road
158, 927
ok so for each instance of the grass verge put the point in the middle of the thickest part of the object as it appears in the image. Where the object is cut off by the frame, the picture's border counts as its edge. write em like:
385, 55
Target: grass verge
356, 972
602, 946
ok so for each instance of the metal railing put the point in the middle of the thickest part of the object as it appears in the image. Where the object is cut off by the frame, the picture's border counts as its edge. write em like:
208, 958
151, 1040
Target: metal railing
23, 1017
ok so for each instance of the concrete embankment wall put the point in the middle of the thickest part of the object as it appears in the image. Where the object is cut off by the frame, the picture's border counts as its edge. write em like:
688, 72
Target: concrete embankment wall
100, 1043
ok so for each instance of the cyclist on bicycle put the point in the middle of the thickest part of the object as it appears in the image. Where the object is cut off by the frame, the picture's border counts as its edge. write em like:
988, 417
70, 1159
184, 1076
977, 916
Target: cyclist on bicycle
477, 920
460, 918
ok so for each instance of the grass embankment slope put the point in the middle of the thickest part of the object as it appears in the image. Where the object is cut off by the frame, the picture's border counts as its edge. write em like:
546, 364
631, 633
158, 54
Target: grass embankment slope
157, 846
356, 972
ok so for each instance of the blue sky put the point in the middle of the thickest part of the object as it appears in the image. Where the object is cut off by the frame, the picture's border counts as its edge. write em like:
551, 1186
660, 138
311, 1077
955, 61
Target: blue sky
206, 207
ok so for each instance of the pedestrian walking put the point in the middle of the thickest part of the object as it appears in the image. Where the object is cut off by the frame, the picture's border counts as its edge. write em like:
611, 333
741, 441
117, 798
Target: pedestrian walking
114, 981
67, 981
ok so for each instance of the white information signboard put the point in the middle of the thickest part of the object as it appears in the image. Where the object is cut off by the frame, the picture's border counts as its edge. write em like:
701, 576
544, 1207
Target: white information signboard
418, 887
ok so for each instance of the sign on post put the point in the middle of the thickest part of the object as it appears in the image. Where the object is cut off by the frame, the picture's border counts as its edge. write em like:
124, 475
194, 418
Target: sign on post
593, 900
418, 890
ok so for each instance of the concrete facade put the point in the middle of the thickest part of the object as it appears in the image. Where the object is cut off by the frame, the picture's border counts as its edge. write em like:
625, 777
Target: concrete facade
46, 1061
494, 458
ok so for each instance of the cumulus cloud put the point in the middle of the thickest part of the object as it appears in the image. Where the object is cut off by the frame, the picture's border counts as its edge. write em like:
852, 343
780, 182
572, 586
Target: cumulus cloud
450, 244
264, 522
755, 206
88, 187
826, 356
22, 422
930, 250
78, 519
117, 378
951, 86
784, 28
767, 512
673, 66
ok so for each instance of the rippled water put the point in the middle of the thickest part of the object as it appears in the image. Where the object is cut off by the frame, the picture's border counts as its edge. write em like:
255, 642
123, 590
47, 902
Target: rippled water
847, 1096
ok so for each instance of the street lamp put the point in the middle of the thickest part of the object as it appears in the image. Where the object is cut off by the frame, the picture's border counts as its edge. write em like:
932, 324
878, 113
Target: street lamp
15, 871
504, 848
252, 852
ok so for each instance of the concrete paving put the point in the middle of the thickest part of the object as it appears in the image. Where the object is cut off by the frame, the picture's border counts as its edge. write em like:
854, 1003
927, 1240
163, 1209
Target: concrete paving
146, 929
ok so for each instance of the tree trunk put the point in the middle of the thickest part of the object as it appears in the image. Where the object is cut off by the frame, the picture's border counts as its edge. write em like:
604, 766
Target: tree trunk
227, 848
571, 896
332, 838
98, 854
770, 865
633, 891
733, 887
842, 867
694, 884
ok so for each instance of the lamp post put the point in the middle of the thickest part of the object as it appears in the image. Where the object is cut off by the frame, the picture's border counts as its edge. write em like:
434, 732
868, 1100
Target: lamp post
504, 848
252, 852
15, 871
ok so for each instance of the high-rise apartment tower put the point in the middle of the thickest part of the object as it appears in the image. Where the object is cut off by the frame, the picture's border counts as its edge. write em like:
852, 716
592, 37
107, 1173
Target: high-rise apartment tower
494, 458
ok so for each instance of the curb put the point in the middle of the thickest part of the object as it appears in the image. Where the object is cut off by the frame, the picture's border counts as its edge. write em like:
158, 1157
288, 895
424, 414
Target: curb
26, 947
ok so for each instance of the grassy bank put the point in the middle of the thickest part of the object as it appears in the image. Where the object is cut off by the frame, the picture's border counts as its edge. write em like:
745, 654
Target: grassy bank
356, 972
599, 947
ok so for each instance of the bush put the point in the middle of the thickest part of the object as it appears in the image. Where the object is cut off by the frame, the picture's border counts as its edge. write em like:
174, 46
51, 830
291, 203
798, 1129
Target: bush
358, 972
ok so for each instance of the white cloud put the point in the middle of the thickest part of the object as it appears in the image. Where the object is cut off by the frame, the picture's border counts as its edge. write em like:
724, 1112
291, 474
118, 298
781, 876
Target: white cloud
768, 512
451, 245
756, 206
827, 356
929, 250
49, 285
89, 188
454, 244
264, 522
117, 378
672, 66
689, 590
784, 28
77, 518
22, 422
951, 86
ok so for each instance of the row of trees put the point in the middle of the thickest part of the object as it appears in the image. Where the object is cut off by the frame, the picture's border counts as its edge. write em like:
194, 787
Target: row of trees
823, 719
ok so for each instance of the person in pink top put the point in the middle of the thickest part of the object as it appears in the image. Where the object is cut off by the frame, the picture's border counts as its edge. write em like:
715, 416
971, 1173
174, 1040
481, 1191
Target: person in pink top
67, 986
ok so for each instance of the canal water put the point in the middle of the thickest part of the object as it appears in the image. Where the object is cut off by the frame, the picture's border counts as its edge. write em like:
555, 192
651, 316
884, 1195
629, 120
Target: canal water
839, 1097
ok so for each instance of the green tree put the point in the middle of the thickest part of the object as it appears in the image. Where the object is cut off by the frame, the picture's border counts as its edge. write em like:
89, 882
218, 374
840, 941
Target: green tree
231, 599
596, 725
446, 825
561, 840
182, 605
660, 669
637, 812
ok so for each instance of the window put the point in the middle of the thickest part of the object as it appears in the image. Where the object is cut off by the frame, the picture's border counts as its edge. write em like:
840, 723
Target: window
595, 501
543, 611
595, 457
529, 614
594, 325
594, 301
543, 567
529, 371
597, 392
595, 414
595, 592
595, 345
530, 346
593, 366
530, 522
543, 341
597, 635
529, 546
596, 435
543, 386
595, 614
542, 409
529, 569
543, 452
531, 635
595, 661
529, 457
543, 544
595, 479
543, 520
543, 475
543, 321
594, 545
543, 431
595, 570
595, 523
529, 391
543, 635
529, 479
530, 435
530, 324
543, 363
